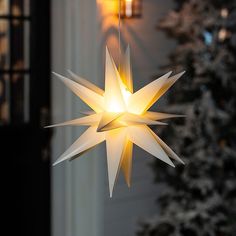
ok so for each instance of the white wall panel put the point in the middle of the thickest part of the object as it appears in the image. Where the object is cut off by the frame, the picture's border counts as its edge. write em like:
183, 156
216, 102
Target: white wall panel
77, 187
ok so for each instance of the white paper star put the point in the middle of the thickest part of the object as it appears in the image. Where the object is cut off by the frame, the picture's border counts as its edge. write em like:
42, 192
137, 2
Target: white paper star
119, 117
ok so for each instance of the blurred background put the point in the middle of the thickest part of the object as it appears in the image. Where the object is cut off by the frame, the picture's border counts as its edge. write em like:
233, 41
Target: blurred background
37, 37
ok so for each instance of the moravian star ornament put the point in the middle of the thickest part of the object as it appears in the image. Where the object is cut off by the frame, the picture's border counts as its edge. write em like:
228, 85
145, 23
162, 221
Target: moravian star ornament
120, 117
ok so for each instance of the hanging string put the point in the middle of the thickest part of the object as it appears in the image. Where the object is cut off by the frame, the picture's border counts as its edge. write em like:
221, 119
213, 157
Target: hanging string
119, 34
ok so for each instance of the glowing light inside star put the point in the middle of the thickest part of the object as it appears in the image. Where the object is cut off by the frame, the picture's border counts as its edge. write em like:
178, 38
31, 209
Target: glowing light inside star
114, 106
126, 95
120, 117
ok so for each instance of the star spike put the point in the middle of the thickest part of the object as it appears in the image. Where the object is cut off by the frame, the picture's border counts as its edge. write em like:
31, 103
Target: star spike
167, 149
115, 142
91, 98
141, 136
113, 95
87, 140
160, 116
133, 119
145, 95
126, 164
168, 83
86, 121
87, 113
126, 70
86, 83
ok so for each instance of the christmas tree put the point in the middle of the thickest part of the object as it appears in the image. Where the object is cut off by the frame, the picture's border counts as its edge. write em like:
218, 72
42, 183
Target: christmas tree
199, 199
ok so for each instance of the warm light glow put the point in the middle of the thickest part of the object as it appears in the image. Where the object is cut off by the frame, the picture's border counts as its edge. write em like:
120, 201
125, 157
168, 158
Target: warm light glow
224, 12
223, 34
128, 8
114, 106
126, 95
120, 117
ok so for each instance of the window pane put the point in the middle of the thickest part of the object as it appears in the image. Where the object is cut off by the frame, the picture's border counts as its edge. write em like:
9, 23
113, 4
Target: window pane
4, 45
4, 99
19, 98
20, 7
4, 7
20, 45
17, 7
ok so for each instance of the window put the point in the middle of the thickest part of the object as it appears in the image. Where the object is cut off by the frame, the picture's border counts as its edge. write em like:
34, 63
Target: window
14, 61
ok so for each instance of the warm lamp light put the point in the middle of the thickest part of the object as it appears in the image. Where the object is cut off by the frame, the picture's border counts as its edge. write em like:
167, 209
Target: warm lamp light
128, 8
131, 8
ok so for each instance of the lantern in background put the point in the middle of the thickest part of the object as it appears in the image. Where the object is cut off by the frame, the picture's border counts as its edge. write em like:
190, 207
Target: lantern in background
131, 8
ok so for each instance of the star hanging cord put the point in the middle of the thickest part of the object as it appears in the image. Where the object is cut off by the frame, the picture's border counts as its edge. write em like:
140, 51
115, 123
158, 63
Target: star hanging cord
120, 117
